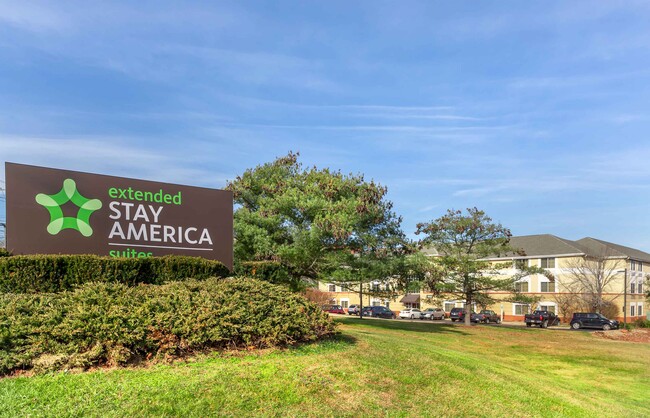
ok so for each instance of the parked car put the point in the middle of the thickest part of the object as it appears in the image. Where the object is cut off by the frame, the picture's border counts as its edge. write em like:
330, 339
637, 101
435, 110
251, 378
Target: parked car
337, 309
486, 316
410, 314
378, 312
592, 320
457, 314
542, 318
354, 310
432, 313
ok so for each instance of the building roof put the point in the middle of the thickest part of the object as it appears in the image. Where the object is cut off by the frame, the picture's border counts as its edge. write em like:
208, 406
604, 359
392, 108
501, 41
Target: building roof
545, 245
600, 247
411, 298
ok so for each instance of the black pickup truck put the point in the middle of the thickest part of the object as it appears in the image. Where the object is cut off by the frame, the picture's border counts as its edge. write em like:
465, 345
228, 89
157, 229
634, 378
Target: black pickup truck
542, 318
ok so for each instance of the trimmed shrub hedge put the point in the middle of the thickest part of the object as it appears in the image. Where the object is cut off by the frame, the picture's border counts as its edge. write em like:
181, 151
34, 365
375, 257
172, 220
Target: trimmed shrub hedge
56, 273
4, 252
113, 324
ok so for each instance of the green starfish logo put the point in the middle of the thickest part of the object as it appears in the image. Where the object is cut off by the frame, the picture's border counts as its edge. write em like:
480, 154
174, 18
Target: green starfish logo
69, 193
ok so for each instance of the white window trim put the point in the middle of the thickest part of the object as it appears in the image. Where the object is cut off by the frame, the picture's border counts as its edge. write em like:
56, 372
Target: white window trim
548, 258
557, 286
451, 302
514, 305
341, 300
525, 280
547, 304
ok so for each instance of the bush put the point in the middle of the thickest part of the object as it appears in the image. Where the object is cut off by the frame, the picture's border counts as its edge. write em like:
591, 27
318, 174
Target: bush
56, 273
113, 324
272, 272
4, 252
642, 323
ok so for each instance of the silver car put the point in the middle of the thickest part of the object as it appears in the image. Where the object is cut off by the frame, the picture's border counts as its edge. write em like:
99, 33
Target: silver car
433, 313
353, 310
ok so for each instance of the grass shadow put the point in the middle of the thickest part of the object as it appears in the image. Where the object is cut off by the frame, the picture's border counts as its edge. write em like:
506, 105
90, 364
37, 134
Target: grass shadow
395, 325
336, 342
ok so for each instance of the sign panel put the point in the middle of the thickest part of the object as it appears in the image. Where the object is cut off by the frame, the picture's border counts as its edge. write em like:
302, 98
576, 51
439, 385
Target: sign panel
52, 211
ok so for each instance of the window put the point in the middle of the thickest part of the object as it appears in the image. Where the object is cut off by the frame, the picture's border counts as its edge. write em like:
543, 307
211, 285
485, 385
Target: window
331, 288
521, 287
549, 308
632, 310
520, 309
375, 287
640, 286
449, 306
376, 303
345, 303
547, 286
548, 263
520, 264
632, 287
387, 305
640, 310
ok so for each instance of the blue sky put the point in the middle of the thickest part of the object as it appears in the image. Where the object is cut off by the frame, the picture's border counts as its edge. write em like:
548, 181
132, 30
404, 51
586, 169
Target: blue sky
537, 112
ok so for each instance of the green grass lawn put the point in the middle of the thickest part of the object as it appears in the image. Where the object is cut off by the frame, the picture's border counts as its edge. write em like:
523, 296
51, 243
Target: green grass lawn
375, 368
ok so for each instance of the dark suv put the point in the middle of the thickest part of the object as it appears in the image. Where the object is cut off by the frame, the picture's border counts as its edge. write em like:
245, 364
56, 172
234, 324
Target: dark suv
457, 314
592, 320
378, 312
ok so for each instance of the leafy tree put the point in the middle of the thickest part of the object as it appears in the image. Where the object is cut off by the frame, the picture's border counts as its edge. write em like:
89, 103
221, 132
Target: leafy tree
465, 242
312, 223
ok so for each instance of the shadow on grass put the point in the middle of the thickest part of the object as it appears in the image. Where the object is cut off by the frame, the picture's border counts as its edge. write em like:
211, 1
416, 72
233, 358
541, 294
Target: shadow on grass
395, 325
334, 342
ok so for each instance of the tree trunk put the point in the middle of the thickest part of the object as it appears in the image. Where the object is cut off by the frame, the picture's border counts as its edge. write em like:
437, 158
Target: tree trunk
360, 299
468, 311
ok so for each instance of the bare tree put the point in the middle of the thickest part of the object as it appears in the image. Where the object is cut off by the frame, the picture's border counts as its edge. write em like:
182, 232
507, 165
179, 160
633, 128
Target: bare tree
569, 300
318, 296
593, 278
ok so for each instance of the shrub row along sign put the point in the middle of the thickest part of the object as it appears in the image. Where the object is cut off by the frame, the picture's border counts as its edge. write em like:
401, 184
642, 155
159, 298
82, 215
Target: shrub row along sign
52, 211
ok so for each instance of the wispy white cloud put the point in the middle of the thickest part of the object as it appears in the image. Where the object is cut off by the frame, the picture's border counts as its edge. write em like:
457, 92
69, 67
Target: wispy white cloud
33, 17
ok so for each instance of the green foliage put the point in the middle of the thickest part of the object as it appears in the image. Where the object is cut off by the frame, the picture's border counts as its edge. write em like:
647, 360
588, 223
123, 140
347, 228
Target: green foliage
310, 220
464, 242
4, 252
642, 323
111, 323
55, 273
270, 271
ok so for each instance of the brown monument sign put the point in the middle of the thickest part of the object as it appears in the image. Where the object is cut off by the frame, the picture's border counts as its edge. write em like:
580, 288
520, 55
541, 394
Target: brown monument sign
53, 211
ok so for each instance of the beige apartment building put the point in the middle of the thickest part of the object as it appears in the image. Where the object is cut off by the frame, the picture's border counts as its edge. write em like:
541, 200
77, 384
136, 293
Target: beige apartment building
623, 272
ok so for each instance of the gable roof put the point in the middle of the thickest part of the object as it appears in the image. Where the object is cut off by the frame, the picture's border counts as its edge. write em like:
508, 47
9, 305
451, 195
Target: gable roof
545, 245
600, 247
